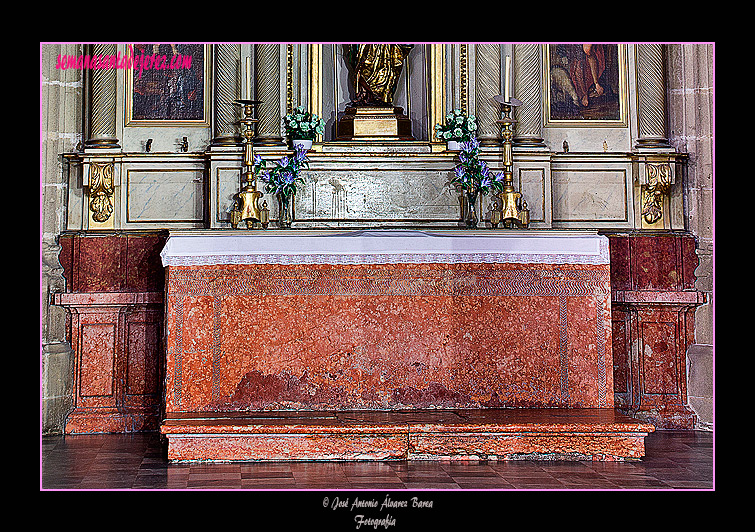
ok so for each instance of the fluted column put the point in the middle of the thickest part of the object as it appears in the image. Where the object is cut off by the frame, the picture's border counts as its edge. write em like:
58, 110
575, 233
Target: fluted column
102, 132
267, 85
528, 88
652, 96
487, 85
227, 89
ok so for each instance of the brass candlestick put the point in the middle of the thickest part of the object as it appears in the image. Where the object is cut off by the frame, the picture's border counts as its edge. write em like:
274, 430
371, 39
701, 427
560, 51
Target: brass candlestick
513, 208
249, 196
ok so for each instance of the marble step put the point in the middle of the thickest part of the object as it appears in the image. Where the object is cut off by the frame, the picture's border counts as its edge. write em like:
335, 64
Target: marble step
492, 434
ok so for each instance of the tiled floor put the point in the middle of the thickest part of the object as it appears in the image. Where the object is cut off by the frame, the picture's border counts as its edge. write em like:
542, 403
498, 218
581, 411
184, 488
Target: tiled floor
674, 460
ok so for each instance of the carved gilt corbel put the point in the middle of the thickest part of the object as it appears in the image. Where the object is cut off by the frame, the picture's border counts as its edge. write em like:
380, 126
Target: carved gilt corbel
659, 180
101, 189
655, 175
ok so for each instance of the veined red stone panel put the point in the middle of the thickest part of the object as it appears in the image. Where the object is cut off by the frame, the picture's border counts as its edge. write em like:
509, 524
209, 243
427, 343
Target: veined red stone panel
387, 336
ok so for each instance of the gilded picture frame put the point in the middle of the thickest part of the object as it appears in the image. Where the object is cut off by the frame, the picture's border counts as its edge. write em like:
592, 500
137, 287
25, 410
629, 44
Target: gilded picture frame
572, 96
168, 86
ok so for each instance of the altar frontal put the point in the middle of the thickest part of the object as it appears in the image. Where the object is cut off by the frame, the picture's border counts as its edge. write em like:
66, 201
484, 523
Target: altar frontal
385, 321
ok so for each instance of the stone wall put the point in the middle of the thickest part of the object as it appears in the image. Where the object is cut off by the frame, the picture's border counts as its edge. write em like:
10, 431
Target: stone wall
61, 126
691, 125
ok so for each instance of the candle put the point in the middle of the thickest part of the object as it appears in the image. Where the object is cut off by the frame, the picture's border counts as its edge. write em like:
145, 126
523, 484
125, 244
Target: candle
247, 74
507, 85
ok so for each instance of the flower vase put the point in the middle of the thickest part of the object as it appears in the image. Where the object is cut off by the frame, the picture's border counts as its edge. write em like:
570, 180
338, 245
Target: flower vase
307, 144
285, 210
453, 145
470, 209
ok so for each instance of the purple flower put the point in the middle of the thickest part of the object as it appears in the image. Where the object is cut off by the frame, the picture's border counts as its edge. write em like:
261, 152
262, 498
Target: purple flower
484, 169
470, 145
300, 153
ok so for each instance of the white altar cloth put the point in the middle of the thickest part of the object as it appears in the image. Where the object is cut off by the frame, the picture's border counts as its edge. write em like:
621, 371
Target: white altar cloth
383, 247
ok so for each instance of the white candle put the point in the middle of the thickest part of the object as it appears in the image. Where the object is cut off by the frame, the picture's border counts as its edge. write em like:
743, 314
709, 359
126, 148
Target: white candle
507, 85
247, 78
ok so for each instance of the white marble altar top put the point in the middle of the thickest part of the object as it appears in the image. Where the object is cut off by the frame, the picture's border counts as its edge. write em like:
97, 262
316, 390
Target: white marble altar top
383, 247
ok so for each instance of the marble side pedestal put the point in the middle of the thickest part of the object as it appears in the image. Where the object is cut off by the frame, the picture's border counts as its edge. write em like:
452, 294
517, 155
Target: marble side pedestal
116, 340
653, 311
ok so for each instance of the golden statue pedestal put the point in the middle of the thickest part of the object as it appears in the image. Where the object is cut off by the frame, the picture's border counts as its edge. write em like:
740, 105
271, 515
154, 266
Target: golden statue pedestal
374, 123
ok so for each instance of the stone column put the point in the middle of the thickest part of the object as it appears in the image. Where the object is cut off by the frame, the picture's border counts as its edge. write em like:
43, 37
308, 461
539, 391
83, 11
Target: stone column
488, 85
528, 88
102, 96
227, 58
652, 96
267, 78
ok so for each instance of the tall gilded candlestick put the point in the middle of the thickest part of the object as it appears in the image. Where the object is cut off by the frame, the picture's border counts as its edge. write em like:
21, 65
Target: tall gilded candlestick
513, 207
249, 195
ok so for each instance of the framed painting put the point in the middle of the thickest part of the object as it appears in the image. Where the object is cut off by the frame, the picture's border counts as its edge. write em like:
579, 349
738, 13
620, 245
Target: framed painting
586, 85
169, 85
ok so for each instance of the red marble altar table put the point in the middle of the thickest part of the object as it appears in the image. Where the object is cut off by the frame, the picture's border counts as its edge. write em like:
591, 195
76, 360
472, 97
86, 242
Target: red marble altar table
390, 344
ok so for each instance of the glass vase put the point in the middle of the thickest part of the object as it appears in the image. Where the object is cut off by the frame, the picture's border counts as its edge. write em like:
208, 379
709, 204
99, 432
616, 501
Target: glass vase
285, 210
470, 209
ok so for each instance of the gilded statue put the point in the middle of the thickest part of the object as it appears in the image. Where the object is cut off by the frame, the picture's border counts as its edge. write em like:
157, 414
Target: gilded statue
376, 68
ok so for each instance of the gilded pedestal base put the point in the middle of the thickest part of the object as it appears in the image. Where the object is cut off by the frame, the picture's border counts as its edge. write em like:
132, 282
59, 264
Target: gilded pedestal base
374, 123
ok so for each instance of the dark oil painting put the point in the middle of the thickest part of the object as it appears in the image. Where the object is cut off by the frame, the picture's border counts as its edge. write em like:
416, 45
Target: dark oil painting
175, 92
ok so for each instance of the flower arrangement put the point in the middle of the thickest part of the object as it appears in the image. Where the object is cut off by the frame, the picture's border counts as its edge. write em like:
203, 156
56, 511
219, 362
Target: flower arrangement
474, 177
303, 125
472, 174
458, 127
283, 179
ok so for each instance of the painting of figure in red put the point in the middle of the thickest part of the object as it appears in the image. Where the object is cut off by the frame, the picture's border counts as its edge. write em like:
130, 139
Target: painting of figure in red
585, 82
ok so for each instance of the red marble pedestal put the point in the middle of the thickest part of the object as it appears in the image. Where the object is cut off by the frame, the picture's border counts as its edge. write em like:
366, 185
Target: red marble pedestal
115, 337
264, 360
114, 296
653, 311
